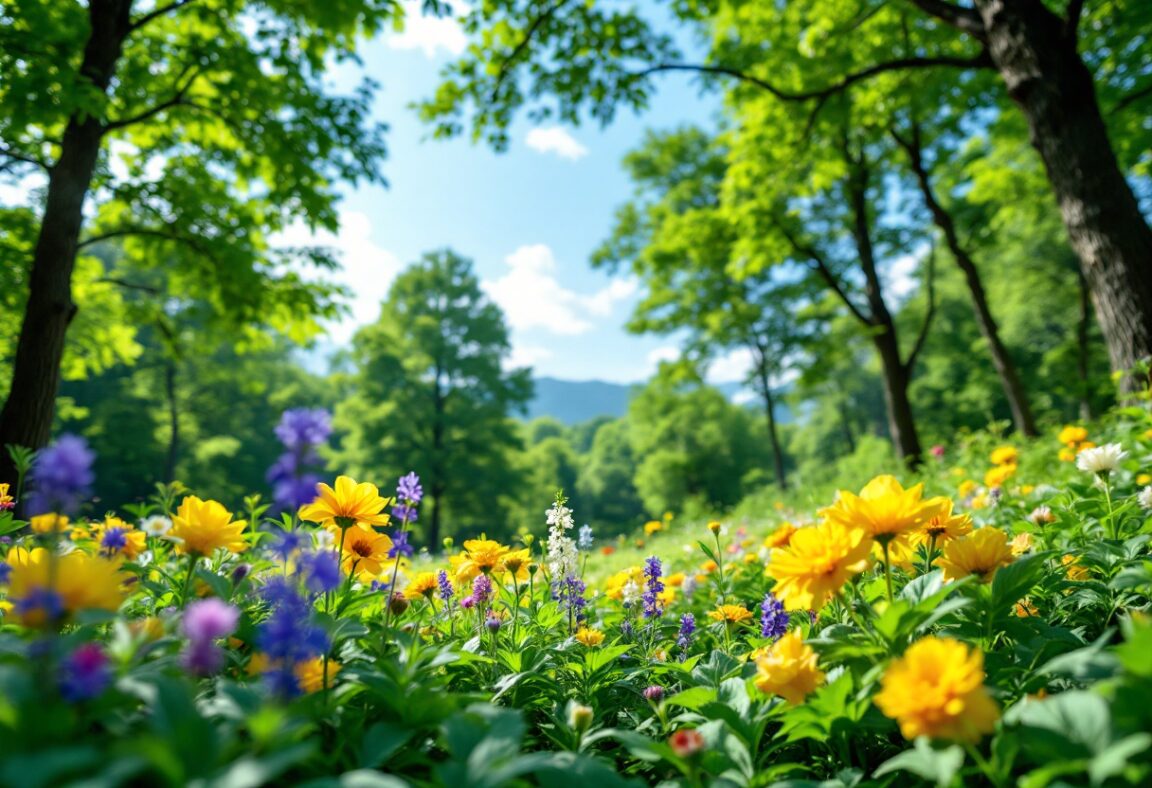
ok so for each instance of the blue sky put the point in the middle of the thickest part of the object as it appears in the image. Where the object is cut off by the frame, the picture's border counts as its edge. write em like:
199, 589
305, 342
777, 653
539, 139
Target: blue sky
529, 217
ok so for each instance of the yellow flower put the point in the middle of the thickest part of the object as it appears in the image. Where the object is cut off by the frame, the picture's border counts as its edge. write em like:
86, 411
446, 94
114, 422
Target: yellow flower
730, 614
937, 689
996, 477
6, 500
516, 563
715, 526
205, 526
1021, 544
45, 523
589, 637
1071, 436
980, 553
780, 537
709, 566
675, 580
966, 488
1004, 455
652, 526
816, 564
667, 596
1073, 570
1144, 478
1067, 455
614, 587
480, 556
788, 669
350, 502
365, 550
423, 585
1025, 608
885, 512
135, 540
310, 673
80, 581
943, 526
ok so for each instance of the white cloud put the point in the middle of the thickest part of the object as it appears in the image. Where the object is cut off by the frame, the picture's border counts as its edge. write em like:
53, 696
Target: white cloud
745, 397
657, 355
554, 139
531, 297
367, 269
902, 275
526, 356
430, 34
732, 367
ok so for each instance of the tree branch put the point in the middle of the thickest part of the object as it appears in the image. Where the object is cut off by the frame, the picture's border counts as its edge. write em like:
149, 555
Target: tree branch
962, 18
1131, 99
922, 337
111, 280
159, 12
177, 99
519, 49
148, 232
22, 158
825, 271
982, 60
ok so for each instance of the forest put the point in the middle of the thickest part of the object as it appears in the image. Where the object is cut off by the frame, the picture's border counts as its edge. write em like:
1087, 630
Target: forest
878, 508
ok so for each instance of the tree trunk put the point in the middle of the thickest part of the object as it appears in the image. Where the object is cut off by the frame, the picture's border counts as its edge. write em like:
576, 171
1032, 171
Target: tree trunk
1035, 53
1082, 325
173, 422
770, 415
895, 373
1001, 359
26, 419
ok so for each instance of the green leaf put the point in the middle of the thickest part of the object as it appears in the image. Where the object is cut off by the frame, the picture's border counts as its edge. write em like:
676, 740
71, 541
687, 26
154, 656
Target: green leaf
939, 766
1015, 580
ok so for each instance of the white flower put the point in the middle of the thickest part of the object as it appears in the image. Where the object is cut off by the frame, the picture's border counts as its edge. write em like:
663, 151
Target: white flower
324, 539
145, 558
1145, 497
157, 525
630, 594
688, 587
1101, 459
563, 558
1041, 515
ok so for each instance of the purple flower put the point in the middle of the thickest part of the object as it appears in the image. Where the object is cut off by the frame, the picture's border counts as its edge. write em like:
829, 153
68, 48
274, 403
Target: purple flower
321, 571
285, 543
687, 627
493, 624
209, 619
773, 618
404, 513
61, 476
43, 601
288, 636
408, 489
84, 674
6, 570
303, 428
113, 540
652, 588
446, 589
569, 592
655, 693
481, 589
400, 546
468, 602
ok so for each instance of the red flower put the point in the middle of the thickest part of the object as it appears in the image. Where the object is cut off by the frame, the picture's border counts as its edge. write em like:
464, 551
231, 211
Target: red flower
608, 550
686, 742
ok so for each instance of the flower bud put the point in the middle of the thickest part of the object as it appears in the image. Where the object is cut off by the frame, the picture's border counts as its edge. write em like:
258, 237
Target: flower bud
397, 604
714, 526
686, 742
579, 717
448, 542
655, 693
493, 624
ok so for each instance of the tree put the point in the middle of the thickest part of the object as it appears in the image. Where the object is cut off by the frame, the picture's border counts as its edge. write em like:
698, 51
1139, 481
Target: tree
197, 127
429, 394
570, 60
675, 237
605, 482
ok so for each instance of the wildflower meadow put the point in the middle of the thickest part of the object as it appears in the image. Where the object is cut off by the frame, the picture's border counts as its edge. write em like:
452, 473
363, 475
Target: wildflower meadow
930, 628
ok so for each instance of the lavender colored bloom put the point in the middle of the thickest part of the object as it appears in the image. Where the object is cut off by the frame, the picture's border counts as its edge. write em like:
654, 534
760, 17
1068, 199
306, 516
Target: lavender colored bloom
209, 619
446, 589
409, 489
302, 428
61, 476
5, 571
481, 589
569, 592
687, 628
652, 588
240, 572
288, 636
321, 571
655, 693
584, 538
626, 628
113, 540
400, 546
404, 513
84, 674
773, 618
468, 602
290, 493
493, 624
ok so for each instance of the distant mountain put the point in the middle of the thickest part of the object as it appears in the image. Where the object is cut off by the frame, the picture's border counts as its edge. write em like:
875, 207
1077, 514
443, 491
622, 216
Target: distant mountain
577, 401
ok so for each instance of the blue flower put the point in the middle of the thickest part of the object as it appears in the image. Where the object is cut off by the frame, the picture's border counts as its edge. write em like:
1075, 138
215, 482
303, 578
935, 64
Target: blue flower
321, 571
409, 489
61, 476
584, 538
113, 540
84, 674
652, 588
302, 428
687, 627
400, 546
446, 590
773, 618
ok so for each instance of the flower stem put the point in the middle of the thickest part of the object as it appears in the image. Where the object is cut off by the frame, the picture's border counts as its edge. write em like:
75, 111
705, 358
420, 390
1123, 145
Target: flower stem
887, 571
188, 580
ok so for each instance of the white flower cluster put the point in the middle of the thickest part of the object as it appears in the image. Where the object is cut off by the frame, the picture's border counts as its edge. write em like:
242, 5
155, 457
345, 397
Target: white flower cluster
562, 553
630, 593
1145, 498
1101, 459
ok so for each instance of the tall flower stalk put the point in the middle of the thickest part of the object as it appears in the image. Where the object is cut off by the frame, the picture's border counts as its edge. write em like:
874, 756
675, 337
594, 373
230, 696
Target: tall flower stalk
409, 493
